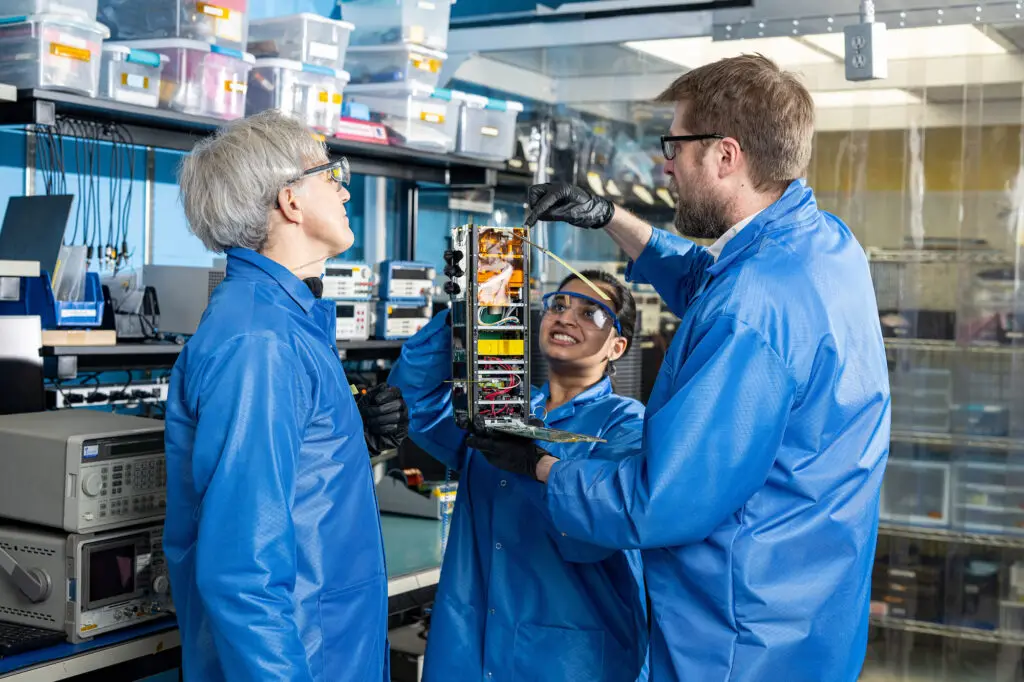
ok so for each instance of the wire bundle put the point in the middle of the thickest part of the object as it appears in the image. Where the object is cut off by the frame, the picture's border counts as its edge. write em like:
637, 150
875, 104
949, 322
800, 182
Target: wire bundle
89, 140
512, 382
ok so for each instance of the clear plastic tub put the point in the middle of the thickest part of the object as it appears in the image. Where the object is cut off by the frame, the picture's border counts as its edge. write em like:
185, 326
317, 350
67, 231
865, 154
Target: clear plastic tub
219, 22
202, 79
310, 93
51, 51
306, 38
84, 9
487, 127
393, 64
131, 75
383, 22
423, 117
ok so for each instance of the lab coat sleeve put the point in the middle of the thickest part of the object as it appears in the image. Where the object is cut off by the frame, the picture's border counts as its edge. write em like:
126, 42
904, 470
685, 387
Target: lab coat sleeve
624, 439
252, 408
674, 266
422, 373
705, 452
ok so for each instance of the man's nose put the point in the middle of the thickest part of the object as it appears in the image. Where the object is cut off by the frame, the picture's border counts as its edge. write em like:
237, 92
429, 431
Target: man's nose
669, 168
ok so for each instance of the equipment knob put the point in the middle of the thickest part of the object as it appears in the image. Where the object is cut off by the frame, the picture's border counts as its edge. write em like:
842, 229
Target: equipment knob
161, 584
452, 257
92, 484
453, 271
452, 288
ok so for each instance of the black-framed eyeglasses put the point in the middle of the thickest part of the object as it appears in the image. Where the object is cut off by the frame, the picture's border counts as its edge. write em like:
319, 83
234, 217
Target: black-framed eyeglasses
668, 142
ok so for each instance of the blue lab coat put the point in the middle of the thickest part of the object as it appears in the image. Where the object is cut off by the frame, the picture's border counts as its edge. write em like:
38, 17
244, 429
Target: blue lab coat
272, 535
755, 498
518, 601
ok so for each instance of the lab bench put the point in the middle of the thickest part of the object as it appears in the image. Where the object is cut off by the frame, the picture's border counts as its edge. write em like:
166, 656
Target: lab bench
413, 549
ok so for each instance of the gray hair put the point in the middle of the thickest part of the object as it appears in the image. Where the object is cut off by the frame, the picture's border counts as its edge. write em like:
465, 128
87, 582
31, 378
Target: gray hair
230, 181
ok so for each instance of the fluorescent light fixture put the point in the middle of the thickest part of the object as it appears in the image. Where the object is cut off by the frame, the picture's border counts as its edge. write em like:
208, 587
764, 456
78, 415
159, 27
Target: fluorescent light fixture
926, 42
694, 52
864, 97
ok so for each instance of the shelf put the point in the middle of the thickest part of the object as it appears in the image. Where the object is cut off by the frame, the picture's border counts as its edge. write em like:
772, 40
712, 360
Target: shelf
923, 256
952, 631
164, 129
119, 349
951, 347
961, 537
950, 440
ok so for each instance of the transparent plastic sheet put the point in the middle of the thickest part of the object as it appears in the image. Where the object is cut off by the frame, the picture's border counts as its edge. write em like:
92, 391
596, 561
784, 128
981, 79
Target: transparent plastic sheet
69, 275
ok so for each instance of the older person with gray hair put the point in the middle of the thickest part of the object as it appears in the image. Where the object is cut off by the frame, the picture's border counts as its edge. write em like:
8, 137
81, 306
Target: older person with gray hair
272, 535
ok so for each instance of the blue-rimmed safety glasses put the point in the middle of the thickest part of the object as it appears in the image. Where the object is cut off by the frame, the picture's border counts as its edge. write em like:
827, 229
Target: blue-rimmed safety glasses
589, 312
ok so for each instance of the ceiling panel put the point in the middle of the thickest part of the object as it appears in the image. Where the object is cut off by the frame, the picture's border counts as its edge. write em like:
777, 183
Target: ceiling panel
585, 61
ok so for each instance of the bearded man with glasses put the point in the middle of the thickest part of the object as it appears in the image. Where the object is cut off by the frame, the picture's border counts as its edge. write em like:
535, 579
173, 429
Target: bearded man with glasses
272, 535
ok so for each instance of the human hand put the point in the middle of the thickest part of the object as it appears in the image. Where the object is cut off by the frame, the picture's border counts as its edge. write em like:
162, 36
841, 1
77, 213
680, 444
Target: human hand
385, 417
560, 201
514, 454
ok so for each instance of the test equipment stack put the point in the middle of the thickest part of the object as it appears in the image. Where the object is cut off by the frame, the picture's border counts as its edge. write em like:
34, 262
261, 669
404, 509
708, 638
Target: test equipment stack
405, 293
81, 524
350, 286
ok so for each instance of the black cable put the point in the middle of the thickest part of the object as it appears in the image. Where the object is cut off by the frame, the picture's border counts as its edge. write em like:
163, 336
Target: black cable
126, 134
80, 198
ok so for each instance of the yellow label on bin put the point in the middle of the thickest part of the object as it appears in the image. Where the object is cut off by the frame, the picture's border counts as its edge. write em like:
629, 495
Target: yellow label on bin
489, 131
500, 347
90, 626
326, 97
59, 50
417, 34
134, 81
424, 63
213, 10
337, 99
431, 117
235, 86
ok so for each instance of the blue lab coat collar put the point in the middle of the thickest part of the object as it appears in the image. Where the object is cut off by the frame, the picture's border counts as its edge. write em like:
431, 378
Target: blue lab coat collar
595, 392
247, 264
796, 205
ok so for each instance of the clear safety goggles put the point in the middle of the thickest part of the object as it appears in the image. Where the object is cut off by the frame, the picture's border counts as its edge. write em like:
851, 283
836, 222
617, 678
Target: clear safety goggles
589, 312
338, 171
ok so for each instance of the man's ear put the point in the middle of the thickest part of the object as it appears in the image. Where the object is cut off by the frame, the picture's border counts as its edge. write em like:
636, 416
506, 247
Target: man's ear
730, 157
288, 204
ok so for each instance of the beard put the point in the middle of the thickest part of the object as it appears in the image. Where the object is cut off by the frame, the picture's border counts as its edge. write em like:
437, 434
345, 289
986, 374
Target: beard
700, 216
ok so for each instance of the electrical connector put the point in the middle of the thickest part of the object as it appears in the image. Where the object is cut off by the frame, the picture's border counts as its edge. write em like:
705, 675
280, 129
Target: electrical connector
866, 56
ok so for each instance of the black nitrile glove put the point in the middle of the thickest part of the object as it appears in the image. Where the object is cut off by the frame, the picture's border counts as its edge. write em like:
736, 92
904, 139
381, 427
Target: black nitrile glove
385, 418
560, 201
510, 453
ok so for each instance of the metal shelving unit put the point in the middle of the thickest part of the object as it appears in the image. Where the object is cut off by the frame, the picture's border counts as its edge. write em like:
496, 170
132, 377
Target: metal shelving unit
951, 347
953, 440
163, 129
952, 631
961, 537
975, 257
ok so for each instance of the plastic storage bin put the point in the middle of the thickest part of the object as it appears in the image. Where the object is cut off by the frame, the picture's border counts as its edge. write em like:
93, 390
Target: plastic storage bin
487, 127
202, 79
130, 75
423, 117
310, 93
916, 492
220, 22
383, 22
306, 38
84, 9
395, 64
51, 51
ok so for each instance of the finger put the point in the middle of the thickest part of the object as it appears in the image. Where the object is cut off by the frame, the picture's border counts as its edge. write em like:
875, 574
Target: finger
385, 394
386, 408
534, 194
540, 211
389, 419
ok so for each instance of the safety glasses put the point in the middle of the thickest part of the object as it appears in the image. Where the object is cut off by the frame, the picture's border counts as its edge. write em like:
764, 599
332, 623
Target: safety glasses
589, 312
338, 171
669, 142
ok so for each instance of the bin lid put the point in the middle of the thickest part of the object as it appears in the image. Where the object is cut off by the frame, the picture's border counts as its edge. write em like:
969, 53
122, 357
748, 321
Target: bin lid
292, 65
399, 47
60, 20
305, 16
399, 89
185, 44
136, 56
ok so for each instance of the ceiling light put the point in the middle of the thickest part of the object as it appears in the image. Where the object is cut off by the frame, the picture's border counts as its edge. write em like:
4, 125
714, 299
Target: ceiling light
694, 52
922, 43
865, 97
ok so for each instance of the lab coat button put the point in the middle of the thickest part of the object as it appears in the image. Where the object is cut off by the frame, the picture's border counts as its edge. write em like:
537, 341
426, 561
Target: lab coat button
497, 545
504, 483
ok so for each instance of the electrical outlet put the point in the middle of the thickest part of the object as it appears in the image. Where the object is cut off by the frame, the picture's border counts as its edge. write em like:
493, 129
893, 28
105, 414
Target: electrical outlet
866, 57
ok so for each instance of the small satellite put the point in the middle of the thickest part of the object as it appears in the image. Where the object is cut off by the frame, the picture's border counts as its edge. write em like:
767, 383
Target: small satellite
488, 283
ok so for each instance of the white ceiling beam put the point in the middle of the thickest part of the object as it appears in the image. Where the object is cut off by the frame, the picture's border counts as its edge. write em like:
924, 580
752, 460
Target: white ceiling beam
512, 79
573, 33
918, 115
639, 88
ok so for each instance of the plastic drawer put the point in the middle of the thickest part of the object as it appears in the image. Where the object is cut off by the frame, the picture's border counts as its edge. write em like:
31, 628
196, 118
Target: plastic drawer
220, 22
306, 38
202, 79
384, 22
487, 127
424, 117
395, 64
914, 418
1011, 617
51, 51
310, 93
83, 9
916, 492
981, 420
132, 76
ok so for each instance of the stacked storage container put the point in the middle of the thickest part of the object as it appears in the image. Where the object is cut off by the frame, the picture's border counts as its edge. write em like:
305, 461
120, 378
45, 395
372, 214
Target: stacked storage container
53, 44
299, 68
487, 127
201, 44
395, 61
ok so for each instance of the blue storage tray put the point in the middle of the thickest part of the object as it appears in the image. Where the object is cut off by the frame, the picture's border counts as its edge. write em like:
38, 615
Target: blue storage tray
37, 299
